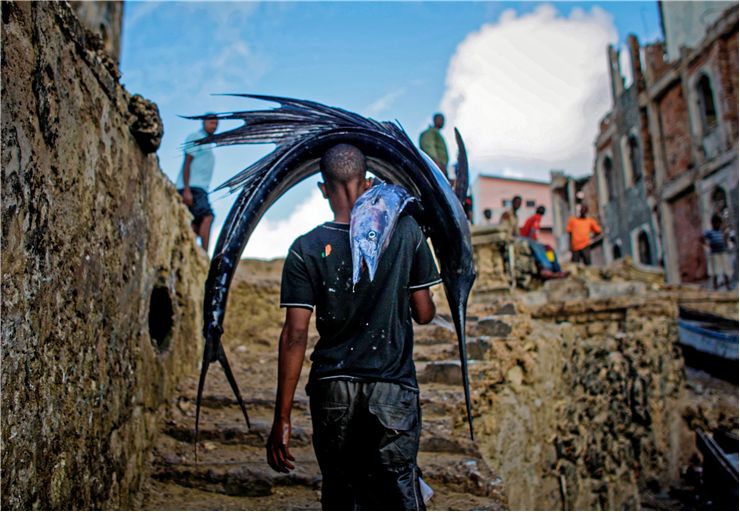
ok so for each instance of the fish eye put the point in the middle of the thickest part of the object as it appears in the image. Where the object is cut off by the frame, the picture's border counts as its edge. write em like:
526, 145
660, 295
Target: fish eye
371, 235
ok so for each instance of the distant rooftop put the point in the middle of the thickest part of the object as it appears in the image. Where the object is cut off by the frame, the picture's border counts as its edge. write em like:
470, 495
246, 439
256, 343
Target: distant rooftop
509, 178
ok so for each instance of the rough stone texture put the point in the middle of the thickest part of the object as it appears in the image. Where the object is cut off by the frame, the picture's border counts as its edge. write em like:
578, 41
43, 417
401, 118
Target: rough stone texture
104, 19
90, 229
586, 400
147, 127
232, 472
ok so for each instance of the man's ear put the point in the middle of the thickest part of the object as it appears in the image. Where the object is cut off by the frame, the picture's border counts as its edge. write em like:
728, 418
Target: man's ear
322, 187
368, 183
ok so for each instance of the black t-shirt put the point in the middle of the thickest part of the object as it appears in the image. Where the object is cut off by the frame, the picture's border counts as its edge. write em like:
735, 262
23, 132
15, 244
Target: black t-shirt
366, 333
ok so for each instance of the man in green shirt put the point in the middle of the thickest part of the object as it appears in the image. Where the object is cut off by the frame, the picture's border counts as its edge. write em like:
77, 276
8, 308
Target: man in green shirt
432, 143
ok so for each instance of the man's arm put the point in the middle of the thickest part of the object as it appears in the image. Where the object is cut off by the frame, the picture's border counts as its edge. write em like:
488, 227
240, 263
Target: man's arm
442, 150
291, 352
428, 145
187, 195
422, 306
595, 227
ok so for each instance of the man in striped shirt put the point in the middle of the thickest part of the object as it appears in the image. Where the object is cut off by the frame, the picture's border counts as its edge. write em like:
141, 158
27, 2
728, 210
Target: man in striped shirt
719, 257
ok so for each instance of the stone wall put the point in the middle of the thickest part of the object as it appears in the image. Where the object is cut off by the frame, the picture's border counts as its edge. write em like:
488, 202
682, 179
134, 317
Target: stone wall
580, 403
105, 19
101, 278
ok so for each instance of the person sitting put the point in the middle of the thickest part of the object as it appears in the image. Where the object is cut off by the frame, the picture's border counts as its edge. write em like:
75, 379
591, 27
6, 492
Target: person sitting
531, 226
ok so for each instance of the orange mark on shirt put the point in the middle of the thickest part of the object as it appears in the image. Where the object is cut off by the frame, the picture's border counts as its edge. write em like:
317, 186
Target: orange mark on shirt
327, 250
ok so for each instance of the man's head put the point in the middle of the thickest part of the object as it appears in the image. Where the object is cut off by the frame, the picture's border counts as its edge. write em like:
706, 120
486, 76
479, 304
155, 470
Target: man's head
439, 120
487, 213
516, 202
343, 168
584, 211
210, 123
716, 221
540, 210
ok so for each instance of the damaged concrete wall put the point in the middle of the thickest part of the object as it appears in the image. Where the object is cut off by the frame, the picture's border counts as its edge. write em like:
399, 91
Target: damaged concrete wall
582, 397
101, 278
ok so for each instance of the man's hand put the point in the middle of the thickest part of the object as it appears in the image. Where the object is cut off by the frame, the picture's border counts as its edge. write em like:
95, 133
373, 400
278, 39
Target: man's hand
278, 454
292, 349
187, 197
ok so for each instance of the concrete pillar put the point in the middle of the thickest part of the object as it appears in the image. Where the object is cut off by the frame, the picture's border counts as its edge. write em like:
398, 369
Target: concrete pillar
636, 63
615, 72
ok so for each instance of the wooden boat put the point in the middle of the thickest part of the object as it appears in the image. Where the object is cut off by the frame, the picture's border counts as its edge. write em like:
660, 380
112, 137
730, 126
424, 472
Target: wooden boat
720, 468
709, 334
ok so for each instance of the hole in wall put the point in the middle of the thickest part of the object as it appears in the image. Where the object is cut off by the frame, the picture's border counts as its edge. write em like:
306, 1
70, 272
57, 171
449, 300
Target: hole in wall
160, 318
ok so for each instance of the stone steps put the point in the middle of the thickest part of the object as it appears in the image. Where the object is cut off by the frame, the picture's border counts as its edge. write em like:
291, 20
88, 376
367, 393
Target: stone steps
232, 473
235, 470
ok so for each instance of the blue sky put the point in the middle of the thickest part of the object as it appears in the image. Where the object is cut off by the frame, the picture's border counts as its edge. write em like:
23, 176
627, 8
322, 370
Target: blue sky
388, 60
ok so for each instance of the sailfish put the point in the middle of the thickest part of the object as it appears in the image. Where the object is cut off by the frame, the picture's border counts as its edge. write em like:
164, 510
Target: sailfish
302, 131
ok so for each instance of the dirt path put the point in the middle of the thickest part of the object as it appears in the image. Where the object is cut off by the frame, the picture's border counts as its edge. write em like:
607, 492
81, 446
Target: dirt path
232, 473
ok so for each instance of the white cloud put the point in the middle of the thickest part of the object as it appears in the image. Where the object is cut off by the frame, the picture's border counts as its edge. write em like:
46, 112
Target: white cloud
136, 11
513, 173
527, 92
383, 103
272, 239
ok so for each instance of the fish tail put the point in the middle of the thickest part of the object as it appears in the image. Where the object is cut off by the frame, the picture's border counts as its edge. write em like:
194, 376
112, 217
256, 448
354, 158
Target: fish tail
463, 349
232, 382
199, 397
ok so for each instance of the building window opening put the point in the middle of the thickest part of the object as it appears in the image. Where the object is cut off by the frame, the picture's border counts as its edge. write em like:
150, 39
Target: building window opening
506, 203
616, 252
633, 147
719, 201
611, 186
160, 318
531, 203
706, 104
643, 248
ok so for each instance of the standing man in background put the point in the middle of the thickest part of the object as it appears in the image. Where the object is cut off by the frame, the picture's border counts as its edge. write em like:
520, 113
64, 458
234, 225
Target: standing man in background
432, 143
195, 179
719, 258
580, 230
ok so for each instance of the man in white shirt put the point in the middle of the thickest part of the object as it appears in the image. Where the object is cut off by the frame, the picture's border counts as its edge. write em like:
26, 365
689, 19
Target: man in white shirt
195, 179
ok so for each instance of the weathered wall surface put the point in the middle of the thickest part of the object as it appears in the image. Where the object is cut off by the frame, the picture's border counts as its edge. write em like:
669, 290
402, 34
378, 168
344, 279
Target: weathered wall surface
96, 248
104, 18
581, 403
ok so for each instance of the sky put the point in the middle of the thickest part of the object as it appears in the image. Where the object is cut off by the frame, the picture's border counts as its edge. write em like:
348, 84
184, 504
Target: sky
526, 83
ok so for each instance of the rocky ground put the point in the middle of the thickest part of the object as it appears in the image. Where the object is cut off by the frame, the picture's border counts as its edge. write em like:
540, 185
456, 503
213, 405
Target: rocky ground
231, 472
511, 357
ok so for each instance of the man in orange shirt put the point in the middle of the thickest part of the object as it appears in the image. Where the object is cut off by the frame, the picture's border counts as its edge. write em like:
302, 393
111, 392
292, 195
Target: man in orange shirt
580, 230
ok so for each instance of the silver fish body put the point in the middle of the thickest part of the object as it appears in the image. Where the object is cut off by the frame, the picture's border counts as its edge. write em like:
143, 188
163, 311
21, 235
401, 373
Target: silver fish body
372, 224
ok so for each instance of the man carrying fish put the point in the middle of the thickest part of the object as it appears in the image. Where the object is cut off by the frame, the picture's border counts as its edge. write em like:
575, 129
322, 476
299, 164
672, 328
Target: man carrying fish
362, 385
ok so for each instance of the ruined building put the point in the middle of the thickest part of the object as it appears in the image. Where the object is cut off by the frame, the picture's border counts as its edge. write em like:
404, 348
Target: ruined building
667, 152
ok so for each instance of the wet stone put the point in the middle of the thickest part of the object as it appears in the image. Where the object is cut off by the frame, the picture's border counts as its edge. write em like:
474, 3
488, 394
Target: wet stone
490, 326
441, 372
